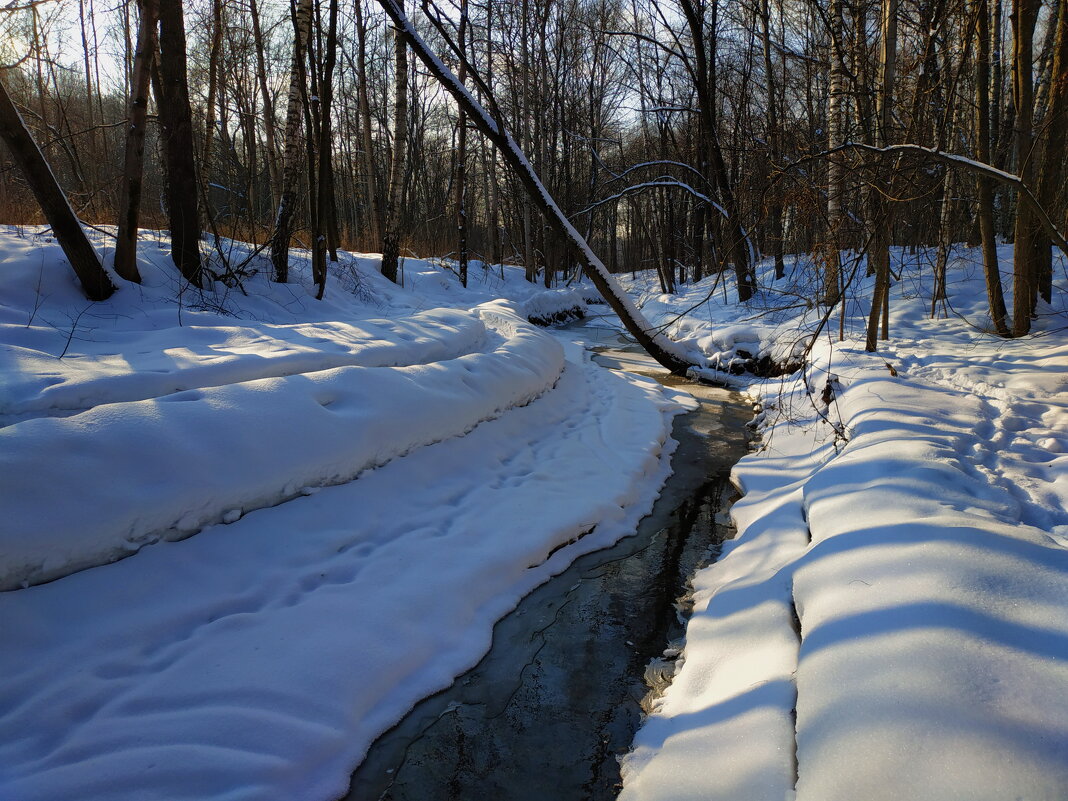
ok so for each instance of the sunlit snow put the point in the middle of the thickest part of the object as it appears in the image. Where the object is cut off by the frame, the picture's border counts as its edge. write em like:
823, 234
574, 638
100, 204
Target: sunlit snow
243, 532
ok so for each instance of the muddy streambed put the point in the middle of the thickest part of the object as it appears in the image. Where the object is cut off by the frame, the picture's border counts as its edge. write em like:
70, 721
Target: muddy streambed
559, 695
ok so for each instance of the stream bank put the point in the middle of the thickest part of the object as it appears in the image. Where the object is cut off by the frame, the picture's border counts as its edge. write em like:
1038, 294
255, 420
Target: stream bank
559, 695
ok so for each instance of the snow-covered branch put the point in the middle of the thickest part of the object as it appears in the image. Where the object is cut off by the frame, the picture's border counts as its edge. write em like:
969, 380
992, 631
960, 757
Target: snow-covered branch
1026, 196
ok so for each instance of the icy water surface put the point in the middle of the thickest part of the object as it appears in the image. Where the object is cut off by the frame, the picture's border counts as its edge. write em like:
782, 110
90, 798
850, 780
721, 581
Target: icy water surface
558, 697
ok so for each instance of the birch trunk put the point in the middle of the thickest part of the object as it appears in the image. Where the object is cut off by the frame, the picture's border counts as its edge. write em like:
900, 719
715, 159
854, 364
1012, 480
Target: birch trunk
1051, 178
292, 157
835, 169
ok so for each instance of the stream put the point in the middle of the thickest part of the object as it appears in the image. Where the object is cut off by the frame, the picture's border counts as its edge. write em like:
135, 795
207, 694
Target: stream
558, 697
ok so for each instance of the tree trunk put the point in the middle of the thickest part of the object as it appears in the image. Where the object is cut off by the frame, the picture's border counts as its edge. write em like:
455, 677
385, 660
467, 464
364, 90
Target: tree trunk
774, 202
291, 160
1024, 16
213, 84
529, 267
177, 123
738, 243
133, 171
460, 179
835, 169
90, 124
493, 194
1051, 177
310, 106
984, 191
325, 198
945, 239
53, 202
391, 234
374, 206
881, 223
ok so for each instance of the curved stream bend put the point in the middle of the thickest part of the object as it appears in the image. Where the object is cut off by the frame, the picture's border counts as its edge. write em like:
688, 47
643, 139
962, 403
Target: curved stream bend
558, 696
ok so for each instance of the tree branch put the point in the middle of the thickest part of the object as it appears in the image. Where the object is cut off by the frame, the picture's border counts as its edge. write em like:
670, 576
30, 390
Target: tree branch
972, 166
659, 346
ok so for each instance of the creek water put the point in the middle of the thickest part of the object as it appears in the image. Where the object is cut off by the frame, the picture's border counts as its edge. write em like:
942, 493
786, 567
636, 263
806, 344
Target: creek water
558, 697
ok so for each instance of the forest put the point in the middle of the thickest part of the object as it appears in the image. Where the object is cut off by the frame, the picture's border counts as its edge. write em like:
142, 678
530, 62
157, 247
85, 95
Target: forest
687, 136
534, 400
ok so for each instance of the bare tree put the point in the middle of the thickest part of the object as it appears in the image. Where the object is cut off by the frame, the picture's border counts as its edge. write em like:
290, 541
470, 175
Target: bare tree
772, 202
133, 171
1024, 17
836, 100
739, 247
641, 119
177, 122
879, 249
292, 159
1051, 177
372, 200
984, 191
460, 180
395, 197
268, 104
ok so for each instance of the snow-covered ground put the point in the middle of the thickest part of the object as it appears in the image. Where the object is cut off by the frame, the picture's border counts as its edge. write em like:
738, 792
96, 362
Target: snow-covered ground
892, 619
241, 533
301, 612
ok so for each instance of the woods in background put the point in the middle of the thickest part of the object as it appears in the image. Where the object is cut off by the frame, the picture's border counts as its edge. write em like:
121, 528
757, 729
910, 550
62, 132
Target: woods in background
688, 136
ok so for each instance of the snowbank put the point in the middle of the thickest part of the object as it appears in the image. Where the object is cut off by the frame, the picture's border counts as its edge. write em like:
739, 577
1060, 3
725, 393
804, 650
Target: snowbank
37, 384
213, 404
892, 619
555, 306
197, 456
259, 658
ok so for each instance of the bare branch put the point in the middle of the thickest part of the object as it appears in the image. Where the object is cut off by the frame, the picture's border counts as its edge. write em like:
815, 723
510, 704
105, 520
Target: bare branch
972, 166
660, 182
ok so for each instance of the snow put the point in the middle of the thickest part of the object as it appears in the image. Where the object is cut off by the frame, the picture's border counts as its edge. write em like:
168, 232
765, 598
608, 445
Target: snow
301, 612
256, 528
890, 621
350, 419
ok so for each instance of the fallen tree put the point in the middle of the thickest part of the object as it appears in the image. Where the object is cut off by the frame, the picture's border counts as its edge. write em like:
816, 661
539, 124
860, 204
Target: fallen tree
661, 347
